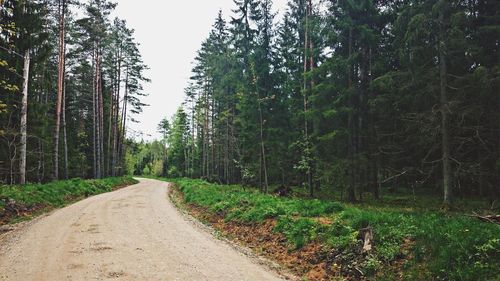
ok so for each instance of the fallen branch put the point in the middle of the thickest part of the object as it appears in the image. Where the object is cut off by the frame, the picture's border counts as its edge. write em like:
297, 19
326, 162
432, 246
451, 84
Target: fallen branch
490, 218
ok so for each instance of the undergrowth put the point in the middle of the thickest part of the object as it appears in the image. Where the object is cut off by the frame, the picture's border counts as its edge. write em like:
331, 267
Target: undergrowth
32, 197
442, 246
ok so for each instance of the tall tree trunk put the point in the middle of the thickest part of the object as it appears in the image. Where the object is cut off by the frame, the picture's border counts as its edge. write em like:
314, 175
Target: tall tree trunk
263, 149
101, 119
213, 139
351, 192
65, 137
206, 134
447, 174
110, 128
116, 113
192, 136
60, 82
373, 140
41, 162
123, 133
315, 121
94, 135
95, 113
226, 154
305, 90
233, 153
98, 115
306, 40
361, 146
24, 119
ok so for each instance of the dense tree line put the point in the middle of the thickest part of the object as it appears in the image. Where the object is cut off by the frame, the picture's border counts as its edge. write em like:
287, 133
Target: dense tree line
347, 94
83, 77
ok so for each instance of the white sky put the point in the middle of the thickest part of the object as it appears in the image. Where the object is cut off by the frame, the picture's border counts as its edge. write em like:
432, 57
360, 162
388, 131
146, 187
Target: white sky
169, 33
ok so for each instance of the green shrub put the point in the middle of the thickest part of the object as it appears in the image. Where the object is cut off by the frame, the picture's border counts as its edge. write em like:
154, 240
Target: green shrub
299, 231
340, 235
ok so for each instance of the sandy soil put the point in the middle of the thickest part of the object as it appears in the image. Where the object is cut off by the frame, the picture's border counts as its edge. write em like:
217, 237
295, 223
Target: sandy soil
134, 233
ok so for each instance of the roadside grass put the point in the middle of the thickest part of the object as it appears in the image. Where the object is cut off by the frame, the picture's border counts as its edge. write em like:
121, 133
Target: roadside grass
424, 245
19, 203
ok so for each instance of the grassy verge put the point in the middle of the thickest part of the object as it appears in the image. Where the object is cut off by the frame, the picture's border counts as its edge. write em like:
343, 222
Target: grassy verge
412, 245
23, 202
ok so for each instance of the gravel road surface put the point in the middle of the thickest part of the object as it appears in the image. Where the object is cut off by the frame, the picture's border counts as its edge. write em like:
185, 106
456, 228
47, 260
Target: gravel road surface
134, 233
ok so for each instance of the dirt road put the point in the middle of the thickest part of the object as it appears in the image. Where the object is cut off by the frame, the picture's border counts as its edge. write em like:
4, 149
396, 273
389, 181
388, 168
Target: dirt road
131, 234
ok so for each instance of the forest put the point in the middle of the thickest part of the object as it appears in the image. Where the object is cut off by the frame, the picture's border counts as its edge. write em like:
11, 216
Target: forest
344, 139
342, 97
71, 77
338, 139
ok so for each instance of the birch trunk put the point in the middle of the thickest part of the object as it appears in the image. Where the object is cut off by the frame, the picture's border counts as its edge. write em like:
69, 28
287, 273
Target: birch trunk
24, 119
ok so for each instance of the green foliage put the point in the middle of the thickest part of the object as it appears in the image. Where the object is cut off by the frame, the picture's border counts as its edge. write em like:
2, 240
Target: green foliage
341, 235
446, 247
177, 140
299, 231
147, 158
464, 248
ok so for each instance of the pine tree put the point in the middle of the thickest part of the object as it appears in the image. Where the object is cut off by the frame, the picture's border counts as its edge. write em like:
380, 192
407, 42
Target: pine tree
60, 84
59, 44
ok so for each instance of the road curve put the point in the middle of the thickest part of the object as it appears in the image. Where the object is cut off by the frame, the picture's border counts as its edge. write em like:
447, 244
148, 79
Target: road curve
134, 233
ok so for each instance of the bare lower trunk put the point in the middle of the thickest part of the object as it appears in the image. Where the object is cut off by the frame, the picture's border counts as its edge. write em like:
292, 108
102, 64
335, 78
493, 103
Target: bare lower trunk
123, 133
110, 132
206, 136
192, 138
98, 117
94, 117
65, 138
226, 154
263, 150
116, 114
24, 119
101, 121
94, 133
41, 167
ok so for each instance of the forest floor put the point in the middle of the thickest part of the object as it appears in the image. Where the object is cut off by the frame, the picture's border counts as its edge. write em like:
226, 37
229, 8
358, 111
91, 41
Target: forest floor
326, 240
134, 233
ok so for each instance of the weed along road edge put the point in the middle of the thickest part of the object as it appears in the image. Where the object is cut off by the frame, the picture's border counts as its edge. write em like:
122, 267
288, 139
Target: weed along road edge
131, 234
